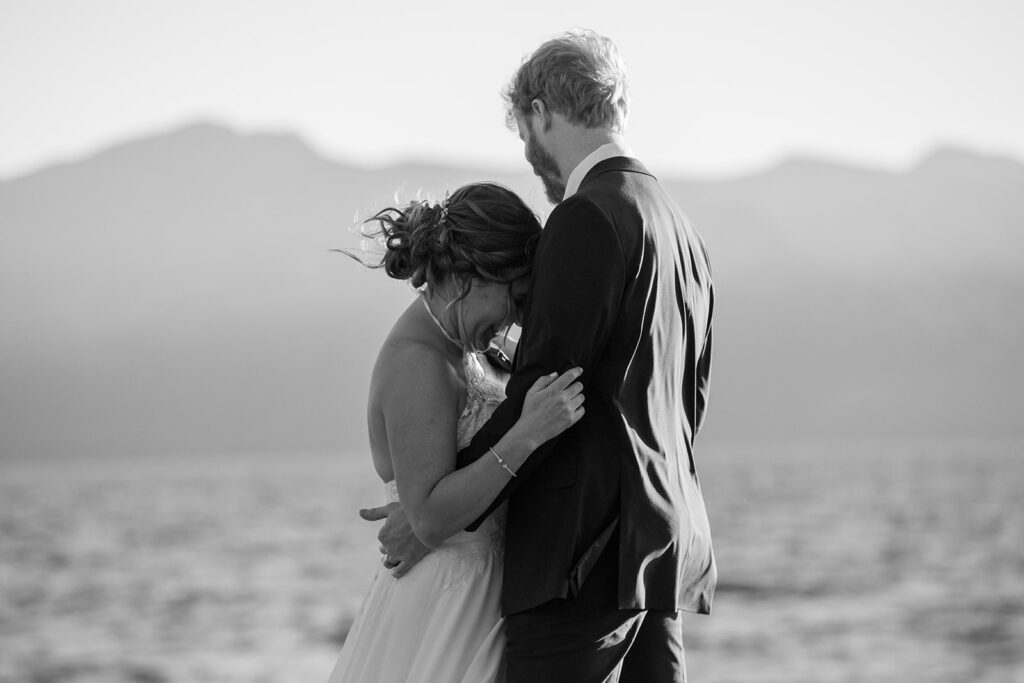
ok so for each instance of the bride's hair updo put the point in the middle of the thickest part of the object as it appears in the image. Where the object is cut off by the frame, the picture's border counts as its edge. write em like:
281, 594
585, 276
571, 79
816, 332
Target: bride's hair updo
482, 230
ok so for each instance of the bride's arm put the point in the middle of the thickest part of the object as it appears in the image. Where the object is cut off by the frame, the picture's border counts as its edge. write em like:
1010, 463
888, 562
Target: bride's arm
420, 408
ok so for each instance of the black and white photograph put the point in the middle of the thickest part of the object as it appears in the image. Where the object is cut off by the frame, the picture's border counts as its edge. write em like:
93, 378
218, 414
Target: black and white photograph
467, 342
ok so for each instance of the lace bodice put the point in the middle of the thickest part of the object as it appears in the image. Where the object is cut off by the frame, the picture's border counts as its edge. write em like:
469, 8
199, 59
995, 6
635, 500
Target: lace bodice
483, 394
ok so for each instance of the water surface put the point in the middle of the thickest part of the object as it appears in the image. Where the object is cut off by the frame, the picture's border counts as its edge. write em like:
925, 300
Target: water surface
881, 561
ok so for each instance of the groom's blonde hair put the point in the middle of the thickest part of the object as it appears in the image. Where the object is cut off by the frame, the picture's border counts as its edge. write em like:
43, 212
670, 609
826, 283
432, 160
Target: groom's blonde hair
579, 75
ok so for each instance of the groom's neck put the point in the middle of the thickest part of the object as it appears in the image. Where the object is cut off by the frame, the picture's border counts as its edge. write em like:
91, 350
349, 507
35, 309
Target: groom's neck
578, 142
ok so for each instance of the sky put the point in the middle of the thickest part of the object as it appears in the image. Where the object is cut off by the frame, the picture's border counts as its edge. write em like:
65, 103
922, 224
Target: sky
718, 88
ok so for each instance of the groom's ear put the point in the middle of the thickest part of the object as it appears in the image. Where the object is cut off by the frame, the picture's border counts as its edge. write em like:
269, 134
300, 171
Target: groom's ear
543, 113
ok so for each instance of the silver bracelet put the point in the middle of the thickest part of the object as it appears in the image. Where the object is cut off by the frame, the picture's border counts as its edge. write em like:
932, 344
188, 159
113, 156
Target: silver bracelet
501, 462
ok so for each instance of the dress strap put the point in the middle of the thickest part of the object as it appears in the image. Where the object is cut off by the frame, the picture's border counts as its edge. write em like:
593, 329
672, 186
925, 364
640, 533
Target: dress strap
439, 325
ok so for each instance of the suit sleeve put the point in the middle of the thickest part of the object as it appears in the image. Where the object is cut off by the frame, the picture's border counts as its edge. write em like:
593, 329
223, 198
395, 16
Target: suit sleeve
703, 368
576, 289
703, 377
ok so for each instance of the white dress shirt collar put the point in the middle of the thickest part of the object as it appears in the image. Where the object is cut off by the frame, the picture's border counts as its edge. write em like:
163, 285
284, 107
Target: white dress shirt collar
607, 151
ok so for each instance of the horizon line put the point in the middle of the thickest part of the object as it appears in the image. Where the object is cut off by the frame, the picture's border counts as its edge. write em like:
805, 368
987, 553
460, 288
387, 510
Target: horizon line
150, 133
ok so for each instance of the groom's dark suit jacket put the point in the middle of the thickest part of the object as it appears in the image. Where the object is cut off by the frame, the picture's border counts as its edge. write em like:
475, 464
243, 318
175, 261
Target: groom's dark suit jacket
622, 288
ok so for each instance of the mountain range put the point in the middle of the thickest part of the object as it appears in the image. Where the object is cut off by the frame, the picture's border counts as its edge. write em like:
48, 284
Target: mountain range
179, 294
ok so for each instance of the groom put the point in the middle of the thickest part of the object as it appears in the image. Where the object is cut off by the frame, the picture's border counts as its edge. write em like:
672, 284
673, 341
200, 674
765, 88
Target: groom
607, 538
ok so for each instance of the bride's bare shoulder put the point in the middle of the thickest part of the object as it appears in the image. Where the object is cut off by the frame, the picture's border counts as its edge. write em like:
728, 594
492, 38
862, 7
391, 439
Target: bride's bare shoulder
413, 377
411, 359
404, 355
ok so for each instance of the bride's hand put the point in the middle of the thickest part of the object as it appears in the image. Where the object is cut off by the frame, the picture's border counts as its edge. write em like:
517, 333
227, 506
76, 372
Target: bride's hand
553, 404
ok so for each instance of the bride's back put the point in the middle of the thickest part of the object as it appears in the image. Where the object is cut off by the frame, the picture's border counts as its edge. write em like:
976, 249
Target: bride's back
410, 338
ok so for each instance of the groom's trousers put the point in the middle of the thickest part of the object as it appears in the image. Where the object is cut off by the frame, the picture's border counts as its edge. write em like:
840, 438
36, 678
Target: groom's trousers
586, 639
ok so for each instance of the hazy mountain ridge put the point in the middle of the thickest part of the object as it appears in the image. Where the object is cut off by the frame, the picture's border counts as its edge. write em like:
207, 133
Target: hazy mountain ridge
177, 293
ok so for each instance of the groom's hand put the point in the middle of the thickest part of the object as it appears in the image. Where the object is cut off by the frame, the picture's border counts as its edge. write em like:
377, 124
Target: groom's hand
399, 545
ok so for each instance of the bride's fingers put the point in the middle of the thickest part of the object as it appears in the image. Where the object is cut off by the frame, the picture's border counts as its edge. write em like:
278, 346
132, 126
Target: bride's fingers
543, 381
566, 378
576, 401
573, 389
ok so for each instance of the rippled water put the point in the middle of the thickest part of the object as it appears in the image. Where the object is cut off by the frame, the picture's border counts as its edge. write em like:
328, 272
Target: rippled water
840, 562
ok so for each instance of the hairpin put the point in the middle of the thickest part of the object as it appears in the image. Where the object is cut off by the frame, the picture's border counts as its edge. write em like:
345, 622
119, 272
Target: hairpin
444, 208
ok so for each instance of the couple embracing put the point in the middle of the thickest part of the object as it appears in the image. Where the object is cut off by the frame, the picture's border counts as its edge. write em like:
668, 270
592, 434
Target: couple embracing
546, 525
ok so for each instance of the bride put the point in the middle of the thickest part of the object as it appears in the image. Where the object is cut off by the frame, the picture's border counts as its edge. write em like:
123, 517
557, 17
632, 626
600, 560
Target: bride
430, 390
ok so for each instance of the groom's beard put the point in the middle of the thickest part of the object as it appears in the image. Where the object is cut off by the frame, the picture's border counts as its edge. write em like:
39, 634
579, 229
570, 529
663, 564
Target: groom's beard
545, 167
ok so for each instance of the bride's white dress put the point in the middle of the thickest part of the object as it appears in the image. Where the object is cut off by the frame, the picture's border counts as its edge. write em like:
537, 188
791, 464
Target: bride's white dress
441, 622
